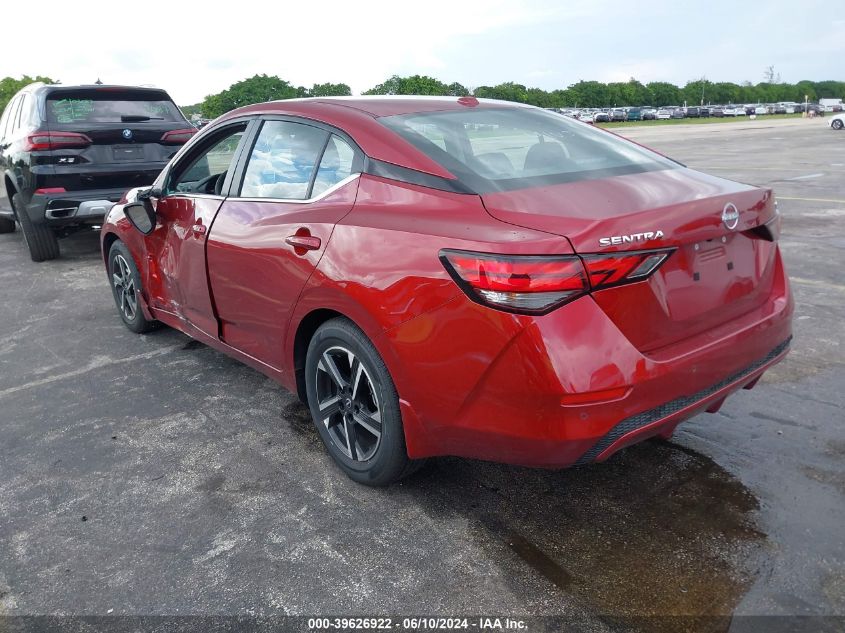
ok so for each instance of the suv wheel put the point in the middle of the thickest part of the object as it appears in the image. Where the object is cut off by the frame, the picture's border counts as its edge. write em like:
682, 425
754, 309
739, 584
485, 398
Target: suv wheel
355, 406
39, 238
126, 289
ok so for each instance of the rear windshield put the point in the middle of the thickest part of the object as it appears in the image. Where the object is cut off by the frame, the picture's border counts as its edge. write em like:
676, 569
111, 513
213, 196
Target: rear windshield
500, 149
108, 106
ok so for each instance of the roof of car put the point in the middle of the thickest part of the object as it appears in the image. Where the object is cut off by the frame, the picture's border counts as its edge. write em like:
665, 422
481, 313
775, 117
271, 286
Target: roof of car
42, 87
389, 105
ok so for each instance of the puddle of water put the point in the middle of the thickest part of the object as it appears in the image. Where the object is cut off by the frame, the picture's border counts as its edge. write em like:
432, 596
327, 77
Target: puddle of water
658, 530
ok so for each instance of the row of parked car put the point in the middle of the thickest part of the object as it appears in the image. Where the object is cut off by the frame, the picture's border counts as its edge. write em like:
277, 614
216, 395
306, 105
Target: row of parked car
608, 115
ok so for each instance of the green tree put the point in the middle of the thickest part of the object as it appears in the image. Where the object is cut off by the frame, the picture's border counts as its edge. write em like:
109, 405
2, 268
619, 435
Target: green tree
9, 86
562, 98
727, 92
635, 94
508, 91
257, 89
830, 89
330, 90
664, 93
458, 90
413, 85
191, 110
590, 94
804, 89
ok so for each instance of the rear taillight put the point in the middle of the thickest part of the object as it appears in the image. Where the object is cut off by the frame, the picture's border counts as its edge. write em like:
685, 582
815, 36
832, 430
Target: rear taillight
55, 140
517, 283
177, 137
529, 284
606, 270
770, 231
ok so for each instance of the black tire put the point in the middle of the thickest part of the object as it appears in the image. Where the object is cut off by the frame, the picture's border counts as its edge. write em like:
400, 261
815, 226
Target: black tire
40, 239
7, 225
125, 284
837, 124
366, 401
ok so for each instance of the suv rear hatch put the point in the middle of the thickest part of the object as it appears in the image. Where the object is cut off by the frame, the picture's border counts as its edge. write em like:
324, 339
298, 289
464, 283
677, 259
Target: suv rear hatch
128, 135
715, 274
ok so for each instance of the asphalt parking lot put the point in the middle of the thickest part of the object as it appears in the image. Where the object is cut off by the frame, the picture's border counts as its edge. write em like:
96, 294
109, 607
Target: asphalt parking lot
153, 475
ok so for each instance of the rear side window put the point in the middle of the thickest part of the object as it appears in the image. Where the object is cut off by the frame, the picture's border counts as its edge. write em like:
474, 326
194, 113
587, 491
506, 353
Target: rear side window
283, 161
11, 115
24, 116
110, 106
496, 149
335, 165
4, 119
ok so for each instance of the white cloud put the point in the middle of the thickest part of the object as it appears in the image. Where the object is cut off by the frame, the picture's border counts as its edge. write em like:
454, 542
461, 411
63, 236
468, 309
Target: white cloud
194, 50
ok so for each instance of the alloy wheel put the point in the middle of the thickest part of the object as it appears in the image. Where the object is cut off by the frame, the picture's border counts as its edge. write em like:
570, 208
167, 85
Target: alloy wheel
348, 403
124, 285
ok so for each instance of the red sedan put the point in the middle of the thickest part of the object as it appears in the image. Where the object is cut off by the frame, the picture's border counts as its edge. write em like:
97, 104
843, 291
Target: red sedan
449, 276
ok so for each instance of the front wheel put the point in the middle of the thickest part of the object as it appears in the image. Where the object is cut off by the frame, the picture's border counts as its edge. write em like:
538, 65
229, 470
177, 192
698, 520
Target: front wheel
126, 289
837, 124
355, 405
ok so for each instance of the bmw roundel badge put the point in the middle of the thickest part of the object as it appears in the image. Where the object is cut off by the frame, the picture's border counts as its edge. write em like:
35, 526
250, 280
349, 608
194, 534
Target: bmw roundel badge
127, 134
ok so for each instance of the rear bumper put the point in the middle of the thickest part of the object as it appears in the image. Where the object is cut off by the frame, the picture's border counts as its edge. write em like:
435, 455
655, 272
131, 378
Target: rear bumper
663, 419
566, 388
72, 207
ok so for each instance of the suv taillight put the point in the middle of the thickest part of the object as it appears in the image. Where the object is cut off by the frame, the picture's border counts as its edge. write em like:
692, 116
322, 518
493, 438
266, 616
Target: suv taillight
537, 284
177, 137
55, 140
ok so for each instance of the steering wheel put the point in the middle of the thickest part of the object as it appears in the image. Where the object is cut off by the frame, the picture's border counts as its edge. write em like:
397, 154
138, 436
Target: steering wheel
202, 186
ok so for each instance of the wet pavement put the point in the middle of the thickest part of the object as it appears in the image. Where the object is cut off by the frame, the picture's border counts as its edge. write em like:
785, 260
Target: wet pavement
153, 475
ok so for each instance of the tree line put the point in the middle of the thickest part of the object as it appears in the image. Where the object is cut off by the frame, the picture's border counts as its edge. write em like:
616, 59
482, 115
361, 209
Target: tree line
583, 94
9, 86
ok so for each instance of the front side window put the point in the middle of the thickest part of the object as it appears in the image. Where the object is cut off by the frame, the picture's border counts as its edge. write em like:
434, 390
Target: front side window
205, 172
497, 149
283, 161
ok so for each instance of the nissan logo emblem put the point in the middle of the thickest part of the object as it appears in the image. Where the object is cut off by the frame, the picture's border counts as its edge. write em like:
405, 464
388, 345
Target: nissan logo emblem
730, 216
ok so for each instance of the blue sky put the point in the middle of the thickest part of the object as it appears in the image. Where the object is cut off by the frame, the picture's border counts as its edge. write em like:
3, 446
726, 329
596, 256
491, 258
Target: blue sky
543, 44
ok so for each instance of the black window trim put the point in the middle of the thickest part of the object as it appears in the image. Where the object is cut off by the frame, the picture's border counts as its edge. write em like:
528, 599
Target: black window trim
195, 149
14, 105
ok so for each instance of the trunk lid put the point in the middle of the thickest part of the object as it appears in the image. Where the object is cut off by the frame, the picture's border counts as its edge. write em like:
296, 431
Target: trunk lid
125, 125
716, 273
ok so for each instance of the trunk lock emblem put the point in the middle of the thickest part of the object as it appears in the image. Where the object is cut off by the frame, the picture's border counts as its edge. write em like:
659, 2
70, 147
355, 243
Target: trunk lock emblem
730, 216
127, 134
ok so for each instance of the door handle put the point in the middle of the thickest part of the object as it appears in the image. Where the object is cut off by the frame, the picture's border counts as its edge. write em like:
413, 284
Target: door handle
303, 243
199, 229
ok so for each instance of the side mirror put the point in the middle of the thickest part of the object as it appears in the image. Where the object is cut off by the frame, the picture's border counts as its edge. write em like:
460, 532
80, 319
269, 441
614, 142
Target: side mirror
141, 215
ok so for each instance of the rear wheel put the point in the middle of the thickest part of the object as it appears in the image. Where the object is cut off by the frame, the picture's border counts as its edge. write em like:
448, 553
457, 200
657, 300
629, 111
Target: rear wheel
40, 239
126, 289
838, 124
355, 406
